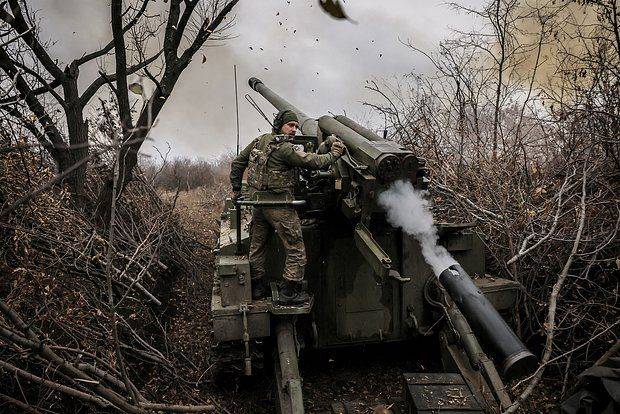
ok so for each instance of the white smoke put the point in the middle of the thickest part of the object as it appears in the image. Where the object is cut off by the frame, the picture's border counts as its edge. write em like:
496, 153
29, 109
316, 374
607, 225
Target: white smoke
408, 209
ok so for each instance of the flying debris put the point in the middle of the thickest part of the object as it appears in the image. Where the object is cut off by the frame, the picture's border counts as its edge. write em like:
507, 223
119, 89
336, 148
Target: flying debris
334, 9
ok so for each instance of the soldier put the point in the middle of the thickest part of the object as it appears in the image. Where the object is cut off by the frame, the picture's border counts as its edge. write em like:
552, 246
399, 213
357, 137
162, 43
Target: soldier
271, 160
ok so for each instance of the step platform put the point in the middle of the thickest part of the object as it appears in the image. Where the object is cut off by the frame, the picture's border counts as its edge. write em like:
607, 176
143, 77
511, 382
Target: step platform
228, 318
445, 393
277, 309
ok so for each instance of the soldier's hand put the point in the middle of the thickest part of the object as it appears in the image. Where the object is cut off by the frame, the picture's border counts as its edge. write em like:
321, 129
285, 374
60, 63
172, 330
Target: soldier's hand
337, 149
330, 140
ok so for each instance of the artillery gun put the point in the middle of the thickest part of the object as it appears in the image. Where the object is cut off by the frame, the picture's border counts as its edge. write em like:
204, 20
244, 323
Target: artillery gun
369, 281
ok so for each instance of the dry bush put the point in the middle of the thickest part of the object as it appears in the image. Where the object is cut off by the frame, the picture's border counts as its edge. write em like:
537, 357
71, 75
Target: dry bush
56, 322
185, 173
534, 160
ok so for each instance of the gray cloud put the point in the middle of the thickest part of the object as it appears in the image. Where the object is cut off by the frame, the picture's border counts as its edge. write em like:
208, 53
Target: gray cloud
199, 118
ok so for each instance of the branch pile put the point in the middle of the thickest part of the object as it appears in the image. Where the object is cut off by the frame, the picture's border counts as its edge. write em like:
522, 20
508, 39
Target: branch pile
56, 338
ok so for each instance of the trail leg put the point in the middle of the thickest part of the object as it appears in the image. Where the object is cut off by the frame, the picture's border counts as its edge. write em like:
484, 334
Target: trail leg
288, 381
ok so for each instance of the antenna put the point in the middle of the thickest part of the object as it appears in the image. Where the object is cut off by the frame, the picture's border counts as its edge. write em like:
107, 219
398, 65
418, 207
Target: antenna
236, 106
255, 106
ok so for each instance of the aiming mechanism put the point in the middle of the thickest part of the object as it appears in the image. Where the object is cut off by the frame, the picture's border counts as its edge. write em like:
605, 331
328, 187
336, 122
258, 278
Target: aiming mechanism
369, 280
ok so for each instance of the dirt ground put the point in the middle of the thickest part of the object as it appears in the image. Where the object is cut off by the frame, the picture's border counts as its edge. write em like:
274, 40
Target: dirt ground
369, 377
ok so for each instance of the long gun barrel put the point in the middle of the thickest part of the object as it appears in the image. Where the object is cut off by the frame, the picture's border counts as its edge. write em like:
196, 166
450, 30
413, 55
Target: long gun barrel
487, 324
384, 159
363, 131
307, 125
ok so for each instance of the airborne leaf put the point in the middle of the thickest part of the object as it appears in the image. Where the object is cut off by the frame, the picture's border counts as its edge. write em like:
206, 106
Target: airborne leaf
135, 88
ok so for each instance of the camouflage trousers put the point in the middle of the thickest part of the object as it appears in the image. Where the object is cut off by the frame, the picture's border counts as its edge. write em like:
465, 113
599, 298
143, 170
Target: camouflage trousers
287, 226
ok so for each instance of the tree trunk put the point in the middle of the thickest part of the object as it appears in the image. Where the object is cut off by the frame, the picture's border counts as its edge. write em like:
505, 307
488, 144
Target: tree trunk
129, 152
175, 65
77, 129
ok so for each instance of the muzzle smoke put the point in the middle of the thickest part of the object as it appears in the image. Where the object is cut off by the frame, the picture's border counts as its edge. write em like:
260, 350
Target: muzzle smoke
408, 209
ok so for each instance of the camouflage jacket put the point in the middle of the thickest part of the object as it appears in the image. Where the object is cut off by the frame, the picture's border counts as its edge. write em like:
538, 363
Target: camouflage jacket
272, 164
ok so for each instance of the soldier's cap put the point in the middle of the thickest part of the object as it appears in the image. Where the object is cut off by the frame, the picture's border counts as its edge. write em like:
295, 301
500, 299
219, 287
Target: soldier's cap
282, 118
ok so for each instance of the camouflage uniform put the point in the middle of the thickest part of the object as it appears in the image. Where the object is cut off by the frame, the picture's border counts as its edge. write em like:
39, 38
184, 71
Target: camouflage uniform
272, 162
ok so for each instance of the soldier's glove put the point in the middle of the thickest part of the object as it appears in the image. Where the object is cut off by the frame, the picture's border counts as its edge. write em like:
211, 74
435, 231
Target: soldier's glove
337, 149
326, 145
330, 140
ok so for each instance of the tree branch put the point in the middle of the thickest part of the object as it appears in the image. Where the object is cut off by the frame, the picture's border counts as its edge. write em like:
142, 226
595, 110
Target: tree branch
205, 32
19, 24
45, 85
187, 14
122, 94
107, 48
524, 249
170, 38
178, 408
31, 127
23, 406
102, 80
553, 300
54, 385
49, 127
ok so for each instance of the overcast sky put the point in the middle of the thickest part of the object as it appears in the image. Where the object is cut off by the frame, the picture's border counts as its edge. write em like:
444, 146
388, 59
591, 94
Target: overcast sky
317, 63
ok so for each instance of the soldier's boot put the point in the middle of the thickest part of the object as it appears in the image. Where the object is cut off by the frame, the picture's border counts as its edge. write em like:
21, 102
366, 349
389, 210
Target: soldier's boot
291, 294
258, 289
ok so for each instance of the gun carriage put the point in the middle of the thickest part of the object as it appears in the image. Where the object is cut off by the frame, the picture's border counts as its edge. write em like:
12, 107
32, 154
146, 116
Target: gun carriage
369, 280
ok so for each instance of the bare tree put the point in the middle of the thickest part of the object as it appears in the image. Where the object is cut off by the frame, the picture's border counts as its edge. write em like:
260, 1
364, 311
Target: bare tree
38, 86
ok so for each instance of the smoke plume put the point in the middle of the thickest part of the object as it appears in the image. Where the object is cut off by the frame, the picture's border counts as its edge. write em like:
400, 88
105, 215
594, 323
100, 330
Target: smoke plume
408, 209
